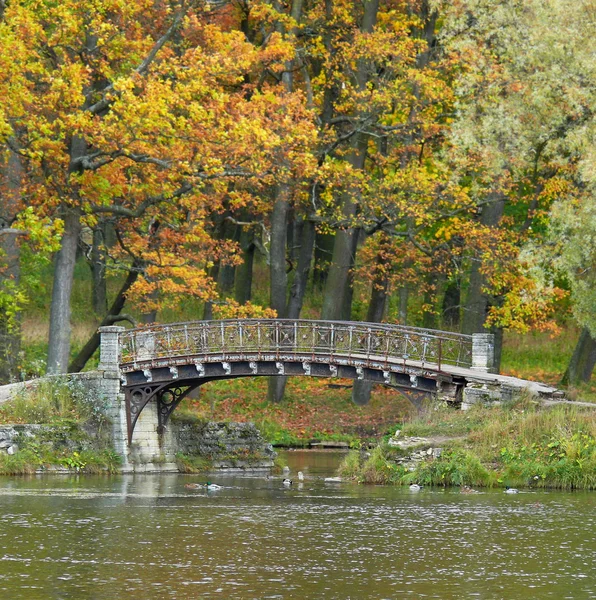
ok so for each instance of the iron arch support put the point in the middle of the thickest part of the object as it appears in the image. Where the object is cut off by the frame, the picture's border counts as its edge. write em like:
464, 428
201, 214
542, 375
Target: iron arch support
168, 400
135, 399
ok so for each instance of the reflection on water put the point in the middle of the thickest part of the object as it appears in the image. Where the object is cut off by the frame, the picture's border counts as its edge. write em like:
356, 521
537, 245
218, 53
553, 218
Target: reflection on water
150, 537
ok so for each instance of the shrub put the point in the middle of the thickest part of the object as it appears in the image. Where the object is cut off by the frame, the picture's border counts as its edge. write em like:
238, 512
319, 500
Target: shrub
454, 467
378, 468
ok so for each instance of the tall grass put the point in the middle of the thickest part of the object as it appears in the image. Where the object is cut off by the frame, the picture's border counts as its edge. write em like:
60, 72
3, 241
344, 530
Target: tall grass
50, 398
376, 468
538, 356
455, 467
520, 444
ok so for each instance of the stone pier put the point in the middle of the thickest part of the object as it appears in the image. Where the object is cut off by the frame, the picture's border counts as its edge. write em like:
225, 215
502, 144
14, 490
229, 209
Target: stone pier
148, 451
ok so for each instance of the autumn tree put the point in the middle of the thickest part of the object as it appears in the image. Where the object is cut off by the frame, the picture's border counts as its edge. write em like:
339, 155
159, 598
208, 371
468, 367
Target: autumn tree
525, 110
139, 114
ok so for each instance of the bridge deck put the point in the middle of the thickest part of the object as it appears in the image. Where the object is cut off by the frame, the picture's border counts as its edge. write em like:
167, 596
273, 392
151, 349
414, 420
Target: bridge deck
393, 348
445, 372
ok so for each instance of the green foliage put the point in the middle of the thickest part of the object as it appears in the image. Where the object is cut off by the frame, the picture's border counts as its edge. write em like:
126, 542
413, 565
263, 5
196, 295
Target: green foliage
102, 461
277, 435
24, 462
186, 416
30, 460
454, 467
521, 444
74, 461
376, 468
443, 420
539, 356
33, 360
49, 449
350, 466
70, 433
567, 460
35, 249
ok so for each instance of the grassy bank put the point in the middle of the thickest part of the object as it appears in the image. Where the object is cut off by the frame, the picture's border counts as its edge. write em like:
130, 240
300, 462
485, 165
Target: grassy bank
72, 433
516, 445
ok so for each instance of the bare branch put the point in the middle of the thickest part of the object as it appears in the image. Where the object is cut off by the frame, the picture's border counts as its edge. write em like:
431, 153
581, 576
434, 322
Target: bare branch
118, 209
144, 158
122, 317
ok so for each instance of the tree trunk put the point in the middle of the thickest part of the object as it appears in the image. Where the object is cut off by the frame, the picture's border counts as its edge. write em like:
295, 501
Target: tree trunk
337, 296
376, 309
323, 255
451, 304
277, 385
278, 276
279, 231
98, 272
298, 288
338, 289
277, 257
346, 310
243, 281
338, 277
477, 302
498, 348
208, 307
583, 360
404, 296
79, 362
227, 273
60, 310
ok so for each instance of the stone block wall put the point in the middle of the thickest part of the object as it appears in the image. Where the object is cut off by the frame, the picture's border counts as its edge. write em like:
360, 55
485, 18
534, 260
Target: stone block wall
489, 394
228, 445
10, 434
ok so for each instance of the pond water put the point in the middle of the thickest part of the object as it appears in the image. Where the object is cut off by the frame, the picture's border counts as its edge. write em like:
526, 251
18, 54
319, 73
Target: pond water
151, 537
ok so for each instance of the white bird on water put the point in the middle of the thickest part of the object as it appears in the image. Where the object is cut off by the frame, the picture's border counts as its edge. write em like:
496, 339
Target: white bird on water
509, 490
213, 487
300, 476
415, 487
287, 482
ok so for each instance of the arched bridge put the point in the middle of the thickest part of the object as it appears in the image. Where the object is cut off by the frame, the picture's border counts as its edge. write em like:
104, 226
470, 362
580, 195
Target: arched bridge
164, 363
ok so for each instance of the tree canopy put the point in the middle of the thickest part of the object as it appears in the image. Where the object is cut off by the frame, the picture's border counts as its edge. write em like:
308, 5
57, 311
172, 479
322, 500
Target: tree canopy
439, 154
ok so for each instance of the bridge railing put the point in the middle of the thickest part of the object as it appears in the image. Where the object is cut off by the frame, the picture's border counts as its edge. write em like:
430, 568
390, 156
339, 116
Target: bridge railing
218, 340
